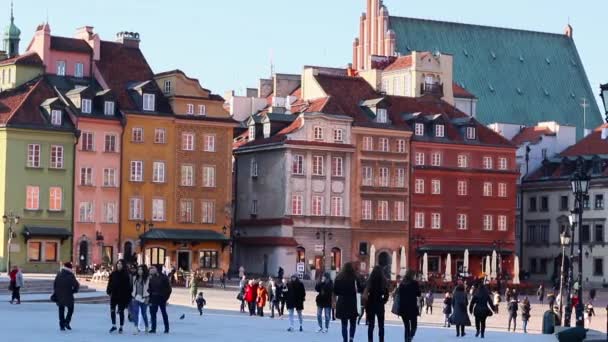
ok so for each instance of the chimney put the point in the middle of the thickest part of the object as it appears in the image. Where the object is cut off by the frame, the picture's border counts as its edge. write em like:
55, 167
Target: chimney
87, 34
3, 55
128, 39
84, 32
568, 31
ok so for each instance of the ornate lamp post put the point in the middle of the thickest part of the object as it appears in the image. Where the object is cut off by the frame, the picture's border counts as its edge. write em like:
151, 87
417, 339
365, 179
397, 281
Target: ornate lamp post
580, 187
326, 235
564, 241
10, 219
604, 96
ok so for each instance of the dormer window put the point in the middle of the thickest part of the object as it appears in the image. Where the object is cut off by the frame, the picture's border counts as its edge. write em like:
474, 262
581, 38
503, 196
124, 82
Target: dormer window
190, 109
202, 110
381, 116
148, 103
471, 134
318, 133
79, 70
85, 106
167, 87
108, 108
439, 131
251, 133
266, 130
56, 117
60, 68
419, 129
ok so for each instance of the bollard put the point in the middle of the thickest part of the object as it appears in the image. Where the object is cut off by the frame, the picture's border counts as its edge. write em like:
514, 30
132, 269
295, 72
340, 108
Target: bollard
548, 322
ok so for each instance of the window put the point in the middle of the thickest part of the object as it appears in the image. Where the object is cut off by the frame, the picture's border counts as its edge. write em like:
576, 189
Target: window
383, 211
42, 251
158, 209
317, 165
107, 254
85, 212
598, 267
419, 220
137, 171
158, 172
55, 198
585, 233
32, 197
137, 135
317, 205
190, 109
110, 143
599, 233
436, 187
86, 105
208, 211
436, 159
86, 176
79, 70
368, 176
368, 144
148, 103
471, 133
420, 158
599, 201
502, 189
209, 259
439, 131
487, 189
384, 178
110, 212
563, 203
188, 141
167, 87
419, 186
209, 143
383, 142
253, 170
136, 210
296, 205
338, 135
502, 163
297, 165
56, 157
34, 251
33, 155
108, 108
502, 222
366, 210
337, 206
400, 178
419, 129
488, 222
186, 208
60, 68
399, 211
381, 116
487, 163
160, 136
88, 141
209, 176
266, 129
56, 117
318, 133
463, 161
544, 203
461, 221
400, 145
337, 166
109, 178
187, 175
586, 202
202, 110
435, 221
532, 204
251, 133
462, 188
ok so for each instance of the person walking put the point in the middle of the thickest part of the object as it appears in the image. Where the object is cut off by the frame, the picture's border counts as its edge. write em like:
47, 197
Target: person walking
261, 298
551, 300
241, 295
420, 305
375, 298
119, 289
460, 317
447, 309
272, 296
428, 300
496, 300
525, 313
15, 284
200, 303
160, 291
296, 294
64, 287
512, 308
250, 297
141, 296
223, 280
282, 296
409, 291
346, 287
481, 308
325, 290
540, 293
193, 286
508, 295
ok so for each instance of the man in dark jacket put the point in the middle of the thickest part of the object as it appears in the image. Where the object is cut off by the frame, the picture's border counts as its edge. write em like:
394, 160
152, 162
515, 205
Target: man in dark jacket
409, 292
296, 294
64, 287
160, 291
325, 290
119, 290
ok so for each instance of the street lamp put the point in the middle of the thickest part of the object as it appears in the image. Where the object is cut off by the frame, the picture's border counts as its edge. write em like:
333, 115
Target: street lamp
11, 219
573, 217
604, 96
565, 241
138, 226
418, 240
580, 187
327, 235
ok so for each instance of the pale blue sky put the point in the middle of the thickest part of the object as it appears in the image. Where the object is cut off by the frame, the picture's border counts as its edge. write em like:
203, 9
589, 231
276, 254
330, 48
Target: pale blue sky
227, 44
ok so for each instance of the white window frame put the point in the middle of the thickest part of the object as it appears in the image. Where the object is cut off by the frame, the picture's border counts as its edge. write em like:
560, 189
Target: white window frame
56, 157
108, 108
502, 163
463, 161
137, 135
251, 133
488, 223
186, 211
61, 68
401, 145
297, 164
158, 171
419, 220
337, 166
86, 212
384, 178
32, 197
88, 141
461, 221
367, 176
160, 136
209, 143
338, 135
316, 208
190, 109
109, 178
368, 143
502, 223
400, 177
435, 220
366, 210
86, 106
419, 158
318, 165
399, 211
167, 86
487, 163
381, 115
136, 208
86, 176
318, 133
384, 145
187, 175
54, 198
56, 116
440, 130
337, 206
436, 187
254, 207
158, 209
487, 189
208, 211
136, 171
79, 70
462, 188
383, 211
419, 129
187, 141
148, 101
502, 190
471, 133
202, 110
209, 176
436, 159
297, 205
253, 168
419, 186
110, 212
110, 143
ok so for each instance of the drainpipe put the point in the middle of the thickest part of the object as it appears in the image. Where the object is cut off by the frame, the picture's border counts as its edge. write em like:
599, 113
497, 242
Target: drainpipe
521, 210
123, 123
77, 133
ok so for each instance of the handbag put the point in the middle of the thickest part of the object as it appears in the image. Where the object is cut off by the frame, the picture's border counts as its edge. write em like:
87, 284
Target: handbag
396, 299
358, 295
239, 296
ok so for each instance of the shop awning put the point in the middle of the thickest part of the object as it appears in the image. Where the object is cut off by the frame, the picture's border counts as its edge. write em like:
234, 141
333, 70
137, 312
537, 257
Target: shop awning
473, 250
274, 241
183, 235
46, 232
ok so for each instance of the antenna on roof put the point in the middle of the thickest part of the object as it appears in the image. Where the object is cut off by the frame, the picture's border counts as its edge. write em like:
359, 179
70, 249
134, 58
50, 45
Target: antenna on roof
584, 104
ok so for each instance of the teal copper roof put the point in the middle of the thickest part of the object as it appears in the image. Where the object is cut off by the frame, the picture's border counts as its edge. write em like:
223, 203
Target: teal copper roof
520, 77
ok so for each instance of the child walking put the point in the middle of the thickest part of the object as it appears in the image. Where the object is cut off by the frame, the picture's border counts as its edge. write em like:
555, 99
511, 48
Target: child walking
200, 302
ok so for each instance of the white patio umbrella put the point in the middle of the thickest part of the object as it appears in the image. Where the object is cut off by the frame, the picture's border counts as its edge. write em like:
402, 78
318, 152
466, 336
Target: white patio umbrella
494, 266
394, 266
465, 264
425, 267
403, 262
167, 265
148, 260
140, 258
488, 268
516, 271
448, 268
372, 257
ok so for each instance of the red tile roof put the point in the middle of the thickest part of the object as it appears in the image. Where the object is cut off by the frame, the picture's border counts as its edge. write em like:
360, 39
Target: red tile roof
70, 45
297, 93
294, 126
402, 62
531, 134
460, 92
591, 144
29, 58
21, 106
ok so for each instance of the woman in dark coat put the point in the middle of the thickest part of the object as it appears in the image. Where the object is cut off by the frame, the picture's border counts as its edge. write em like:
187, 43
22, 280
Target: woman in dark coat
409, 291
460, 317
119, 289
64, 287
296, 295
376, 296
346, 287
481, 307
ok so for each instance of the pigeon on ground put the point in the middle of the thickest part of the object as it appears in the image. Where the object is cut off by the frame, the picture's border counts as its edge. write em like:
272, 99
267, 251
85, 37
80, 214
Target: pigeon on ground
182, 316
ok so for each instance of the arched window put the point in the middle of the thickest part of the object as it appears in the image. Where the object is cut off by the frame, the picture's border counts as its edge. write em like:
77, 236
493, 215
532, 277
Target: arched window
336, 259
301, 254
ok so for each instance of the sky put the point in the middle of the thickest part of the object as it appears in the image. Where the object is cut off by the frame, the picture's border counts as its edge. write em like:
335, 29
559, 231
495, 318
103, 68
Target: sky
229, 44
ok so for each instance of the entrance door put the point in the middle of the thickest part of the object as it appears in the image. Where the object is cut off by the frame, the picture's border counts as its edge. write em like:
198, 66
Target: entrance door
83, 257
319, 266
183, 260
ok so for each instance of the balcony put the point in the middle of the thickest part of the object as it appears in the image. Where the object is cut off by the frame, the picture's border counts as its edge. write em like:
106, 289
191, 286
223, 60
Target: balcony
434, 89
